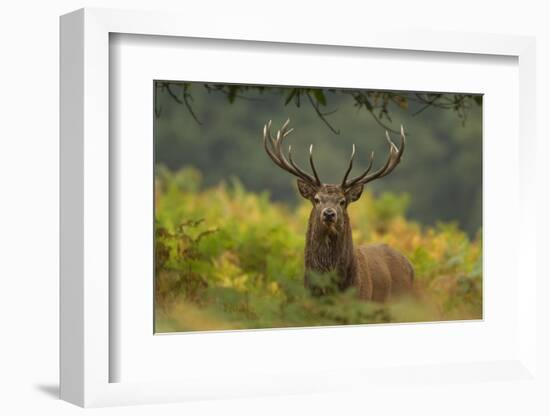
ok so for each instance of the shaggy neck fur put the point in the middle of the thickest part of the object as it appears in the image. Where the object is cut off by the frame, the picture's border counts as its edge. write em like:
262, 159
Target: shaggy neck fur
330, 250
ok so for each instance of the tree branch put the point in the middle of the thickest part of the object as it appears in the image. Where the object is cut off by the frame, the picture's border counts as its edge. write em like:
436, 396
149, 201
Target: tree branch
321, 115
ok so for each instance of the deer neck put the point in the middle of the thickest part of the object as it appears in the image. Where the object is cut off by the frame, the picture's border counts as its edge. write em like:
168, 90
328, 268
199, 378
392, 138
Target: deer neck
330, 251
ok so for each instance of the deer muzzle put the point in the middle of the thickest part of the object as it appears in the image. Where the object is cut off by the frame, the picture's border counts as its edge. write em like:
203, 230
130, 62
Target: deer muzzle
328, 215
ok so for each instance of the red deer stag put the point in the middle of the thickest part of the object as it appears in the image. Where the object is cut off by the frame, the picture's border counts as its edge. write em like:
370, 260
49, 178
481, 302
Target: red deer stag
376, 271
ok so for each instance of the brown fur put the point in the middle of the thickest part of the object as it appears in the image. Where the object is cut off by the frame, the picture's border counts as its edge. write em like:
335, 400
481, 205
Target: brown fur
381, 272
377, 271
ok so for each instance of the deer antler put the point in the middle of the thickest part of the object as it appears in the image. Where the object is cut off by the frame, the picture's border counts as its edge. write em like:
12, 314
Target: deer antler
393, 160
275, 153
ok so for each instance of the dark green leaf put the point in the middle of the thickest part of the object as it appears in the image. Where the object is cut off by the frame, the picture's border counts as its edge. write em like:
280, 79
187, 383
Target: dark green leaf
320, 97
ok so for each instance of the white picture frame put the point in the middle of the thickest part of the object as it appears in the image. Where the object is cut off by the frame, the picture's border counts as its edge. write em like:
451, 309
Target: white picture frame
86, 353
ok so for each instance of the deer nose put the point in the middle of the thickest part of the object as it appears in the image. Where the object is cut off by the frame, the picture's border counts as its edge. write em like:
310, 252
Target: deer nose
329, 214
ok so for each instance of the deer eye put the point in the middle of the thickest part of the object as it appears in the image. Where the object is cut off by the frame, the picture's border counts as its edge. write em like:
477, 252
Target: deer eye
316, 199
342, 202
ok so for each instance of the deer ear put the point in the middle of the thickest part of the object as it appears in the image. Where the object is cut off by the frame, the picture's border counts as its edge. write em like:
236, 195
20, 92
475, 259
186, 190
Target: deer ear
354, 193
306, 189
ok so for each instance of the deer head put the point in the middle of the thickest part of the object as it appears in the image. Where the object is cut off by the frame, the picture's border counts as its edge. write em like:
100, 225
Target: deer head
330, 202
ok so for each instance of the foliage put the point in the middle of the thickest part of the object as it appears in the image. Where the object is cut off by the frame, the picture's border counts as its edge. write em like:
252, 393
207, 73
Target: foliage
377, 103
227, 258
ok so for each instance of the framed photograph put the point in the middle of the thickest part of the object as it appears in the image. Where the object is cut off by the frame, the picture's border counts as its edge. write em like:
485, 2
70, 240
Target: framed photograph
240, 246
279, 214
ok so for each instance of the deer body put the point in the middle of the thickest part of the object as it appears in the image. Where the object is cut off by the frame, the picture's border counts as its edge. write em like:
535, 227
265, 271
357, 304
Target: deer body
376, 271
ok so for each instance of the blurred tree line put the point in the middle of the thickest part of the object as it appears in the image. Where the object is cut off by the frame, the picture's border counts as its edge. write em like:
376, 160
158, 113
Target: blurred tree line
217, 128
